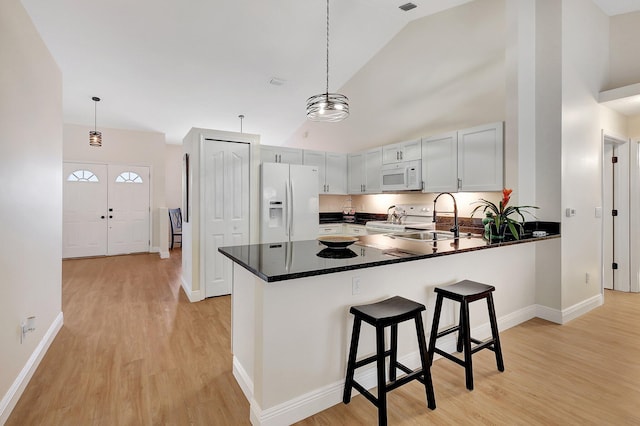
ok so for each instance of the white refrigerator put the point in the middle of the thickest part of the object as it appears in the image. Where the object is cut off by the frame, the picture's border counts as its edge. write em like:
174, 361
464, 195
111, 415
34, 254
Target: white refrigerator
289, 205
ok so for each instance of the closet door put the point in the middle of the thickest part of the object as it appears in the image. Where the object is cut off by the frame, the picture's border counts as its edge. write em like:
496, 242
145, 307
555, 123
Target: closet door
84, 218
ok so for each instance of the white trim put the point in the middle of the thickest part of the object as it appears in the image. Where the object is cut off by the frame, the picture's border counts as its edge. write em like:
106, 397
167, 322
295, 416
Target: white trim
192, 295
549, 314
164, 254
320, 399
581, 308
18, 386
243, 379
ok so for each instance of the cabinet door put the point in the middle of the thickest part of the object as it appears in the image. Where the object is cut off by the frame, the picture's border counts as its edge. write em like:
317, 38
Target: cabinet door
290, 155
480, 158
355, 229
355, 168
317, 158
411, 150
373, 171
268, 154
277, 154
336, 173
440, 163
391, 153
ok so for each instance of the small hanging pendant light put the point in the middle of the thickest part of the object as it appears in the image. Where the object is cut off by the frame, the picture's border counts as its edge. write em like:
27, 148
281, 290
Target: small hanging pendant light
95, 137
329, 107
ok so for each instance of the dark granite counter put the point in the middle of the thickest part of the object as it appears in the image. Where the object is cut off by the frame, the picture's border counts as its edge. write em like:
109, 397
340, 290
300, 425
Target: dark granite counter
291, 260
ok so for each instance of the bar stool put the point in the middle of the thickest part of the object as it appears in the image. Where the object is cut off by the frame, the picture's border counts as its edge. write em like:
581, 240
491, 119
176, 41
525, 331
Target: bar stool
389, 312
465, 292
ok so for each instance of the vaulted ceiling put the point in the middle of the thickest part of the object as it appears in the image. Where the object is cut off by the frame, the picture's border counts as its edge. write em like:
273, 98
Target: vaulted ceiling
169, 65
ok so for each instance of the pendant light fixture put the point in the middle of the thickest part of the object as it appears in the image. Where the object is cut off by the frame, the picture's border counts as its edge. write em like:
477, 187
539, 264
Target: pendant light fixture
329, 107
95, 137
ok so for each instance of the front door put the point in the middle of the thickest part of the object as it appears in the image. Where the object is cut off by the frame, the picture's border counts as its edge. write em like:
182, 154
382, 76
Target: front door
84, 224
105, 209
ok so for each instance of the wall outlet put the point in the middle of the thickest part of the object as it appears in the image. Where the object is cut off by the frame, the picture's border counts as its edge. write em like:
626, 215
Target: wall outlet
355, 285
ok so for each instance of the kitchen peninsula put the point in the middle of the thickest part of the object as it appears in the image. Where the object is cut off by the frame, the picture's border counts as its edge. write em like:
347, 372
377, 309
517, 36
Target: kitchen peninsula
290, 304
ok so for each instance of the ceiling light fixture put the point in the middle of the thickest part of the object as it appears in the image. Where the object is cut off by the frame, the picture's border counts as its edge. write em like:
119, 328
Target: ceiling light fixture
330, 107
95, 137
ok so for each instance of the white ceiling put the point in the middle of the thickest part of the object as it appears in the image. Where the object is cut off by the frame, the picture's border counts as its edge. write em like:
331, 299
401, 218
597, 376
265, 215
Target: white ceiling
169, 65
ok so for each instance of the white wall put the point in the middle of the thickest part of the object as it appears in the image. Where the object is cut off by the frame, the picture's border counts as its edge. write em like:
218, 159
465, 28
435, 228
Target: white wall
585, 53
124, 147
450, 69
31, 199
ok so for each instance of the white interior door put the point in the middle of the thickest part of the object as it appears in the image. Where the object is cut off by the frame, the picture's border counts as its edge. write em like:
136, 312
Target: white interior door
84, 223
128, 209
225, 209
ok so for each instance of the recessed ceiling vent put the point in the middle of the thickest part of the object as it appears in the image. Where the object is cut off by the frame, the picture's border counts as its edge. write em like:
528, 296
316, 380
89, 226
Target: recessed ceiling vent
407, 7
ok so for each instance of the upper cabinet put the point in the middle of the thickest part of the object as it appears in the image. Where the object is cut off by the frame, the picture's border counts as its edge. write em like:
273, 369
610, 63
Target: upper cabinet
332, 170
403, 151
481, 158
365, 172
469, 160
277, 154
440, 163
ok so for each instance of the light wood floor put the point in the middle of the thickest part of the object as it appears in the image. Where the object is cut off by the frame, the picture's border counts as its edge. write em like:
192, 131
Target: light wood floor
134, 351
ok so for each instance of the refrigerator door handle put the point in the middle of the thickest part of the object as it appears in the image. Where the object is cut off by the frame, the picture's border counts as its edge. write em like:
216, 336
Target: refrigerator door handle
286, 204
291, 208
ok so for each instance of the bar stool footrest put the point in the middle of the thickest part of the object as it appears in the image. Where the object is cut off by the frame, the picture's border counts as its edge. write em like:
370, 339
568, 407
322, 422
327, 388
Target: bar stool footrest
447, 331
449, 356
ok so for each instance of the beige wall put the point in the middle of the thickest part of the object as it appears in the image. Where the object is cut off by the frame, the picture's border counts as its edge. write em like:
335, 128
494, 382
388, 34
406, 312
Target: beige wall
31, 199
173, 176
624, 31
124, 147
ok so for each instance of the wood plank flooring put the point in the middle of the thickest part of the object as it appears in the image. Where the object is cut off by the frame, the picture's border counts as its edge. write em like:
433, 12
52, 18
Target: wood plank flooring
134, 351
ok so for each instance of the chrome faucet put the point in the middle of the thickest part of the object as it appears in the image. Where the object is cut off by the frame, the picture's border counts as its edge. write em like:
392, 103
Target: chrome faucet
456, 228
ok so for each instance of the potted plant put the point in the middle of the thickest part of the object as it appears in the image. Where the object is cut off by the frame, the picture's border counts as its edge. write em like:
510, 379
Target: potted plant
498, 216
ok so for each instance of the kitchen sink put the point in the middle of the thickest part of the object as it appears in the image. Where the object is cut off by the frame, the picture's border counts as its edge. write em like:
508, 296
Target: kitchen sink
423, 235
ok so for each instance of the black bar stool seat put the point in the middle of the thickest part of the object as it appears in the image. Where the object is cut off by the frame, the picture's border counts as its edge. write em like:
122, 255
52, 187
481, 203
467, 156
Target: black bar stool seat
388, 313
465, 292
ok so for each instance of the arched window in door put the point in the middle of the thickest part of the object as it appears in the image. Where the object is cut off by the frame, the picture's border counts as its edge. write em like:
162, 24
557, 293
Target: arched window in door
82, 176
129, 177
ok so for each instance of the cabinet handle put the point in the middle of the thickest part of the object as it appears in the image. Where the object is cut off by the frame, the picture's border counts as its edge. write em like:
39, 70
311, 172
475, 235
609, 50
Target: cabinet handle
327, 188
459, 183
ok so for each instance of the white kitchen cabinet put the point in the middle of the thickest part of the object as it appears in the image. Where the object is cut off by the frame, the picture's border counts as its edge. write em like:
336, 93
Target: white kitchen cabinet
481, 158
440, 163
402, 151
352, 229
277, 154
330, 229
332, 168
365, 172
469, 160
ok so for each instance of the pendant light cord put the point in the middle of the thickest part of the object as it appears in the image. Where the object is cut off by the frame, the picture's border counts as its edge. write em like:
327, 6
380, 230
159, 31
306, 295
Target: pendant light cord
95, 115
327, 47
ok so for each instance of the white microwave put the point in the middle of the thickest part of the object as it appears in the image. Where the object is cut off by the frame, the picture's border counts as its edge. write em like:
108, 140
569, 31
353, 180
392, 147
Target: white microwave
405, 176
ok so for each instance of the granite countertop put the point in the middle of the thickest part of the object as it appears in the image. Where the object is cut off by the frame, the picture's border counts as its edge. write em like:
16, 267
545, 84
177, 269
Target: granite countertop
291, 260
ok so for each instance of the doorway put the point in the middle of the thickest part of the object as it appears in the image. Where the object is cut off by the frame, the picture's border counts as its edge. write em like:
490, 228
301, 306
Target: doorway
106, 209
615, 223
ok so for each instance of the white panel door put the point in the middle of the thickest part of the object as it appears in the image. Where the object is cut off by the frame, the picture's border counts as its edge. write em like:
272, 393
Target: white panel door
225, 209
128, 209
84, 223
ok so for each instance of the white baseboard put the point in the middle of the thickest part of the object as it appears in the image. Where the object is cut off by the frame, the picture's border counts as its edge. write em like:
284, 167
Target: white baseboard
192, 295
570, 313
164, 254
320, 399
243, 379
14, 393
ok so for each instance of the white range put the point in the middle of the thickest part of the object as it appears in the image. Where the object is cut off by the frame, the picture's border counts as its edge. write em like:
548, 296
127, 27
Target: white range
413, 216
